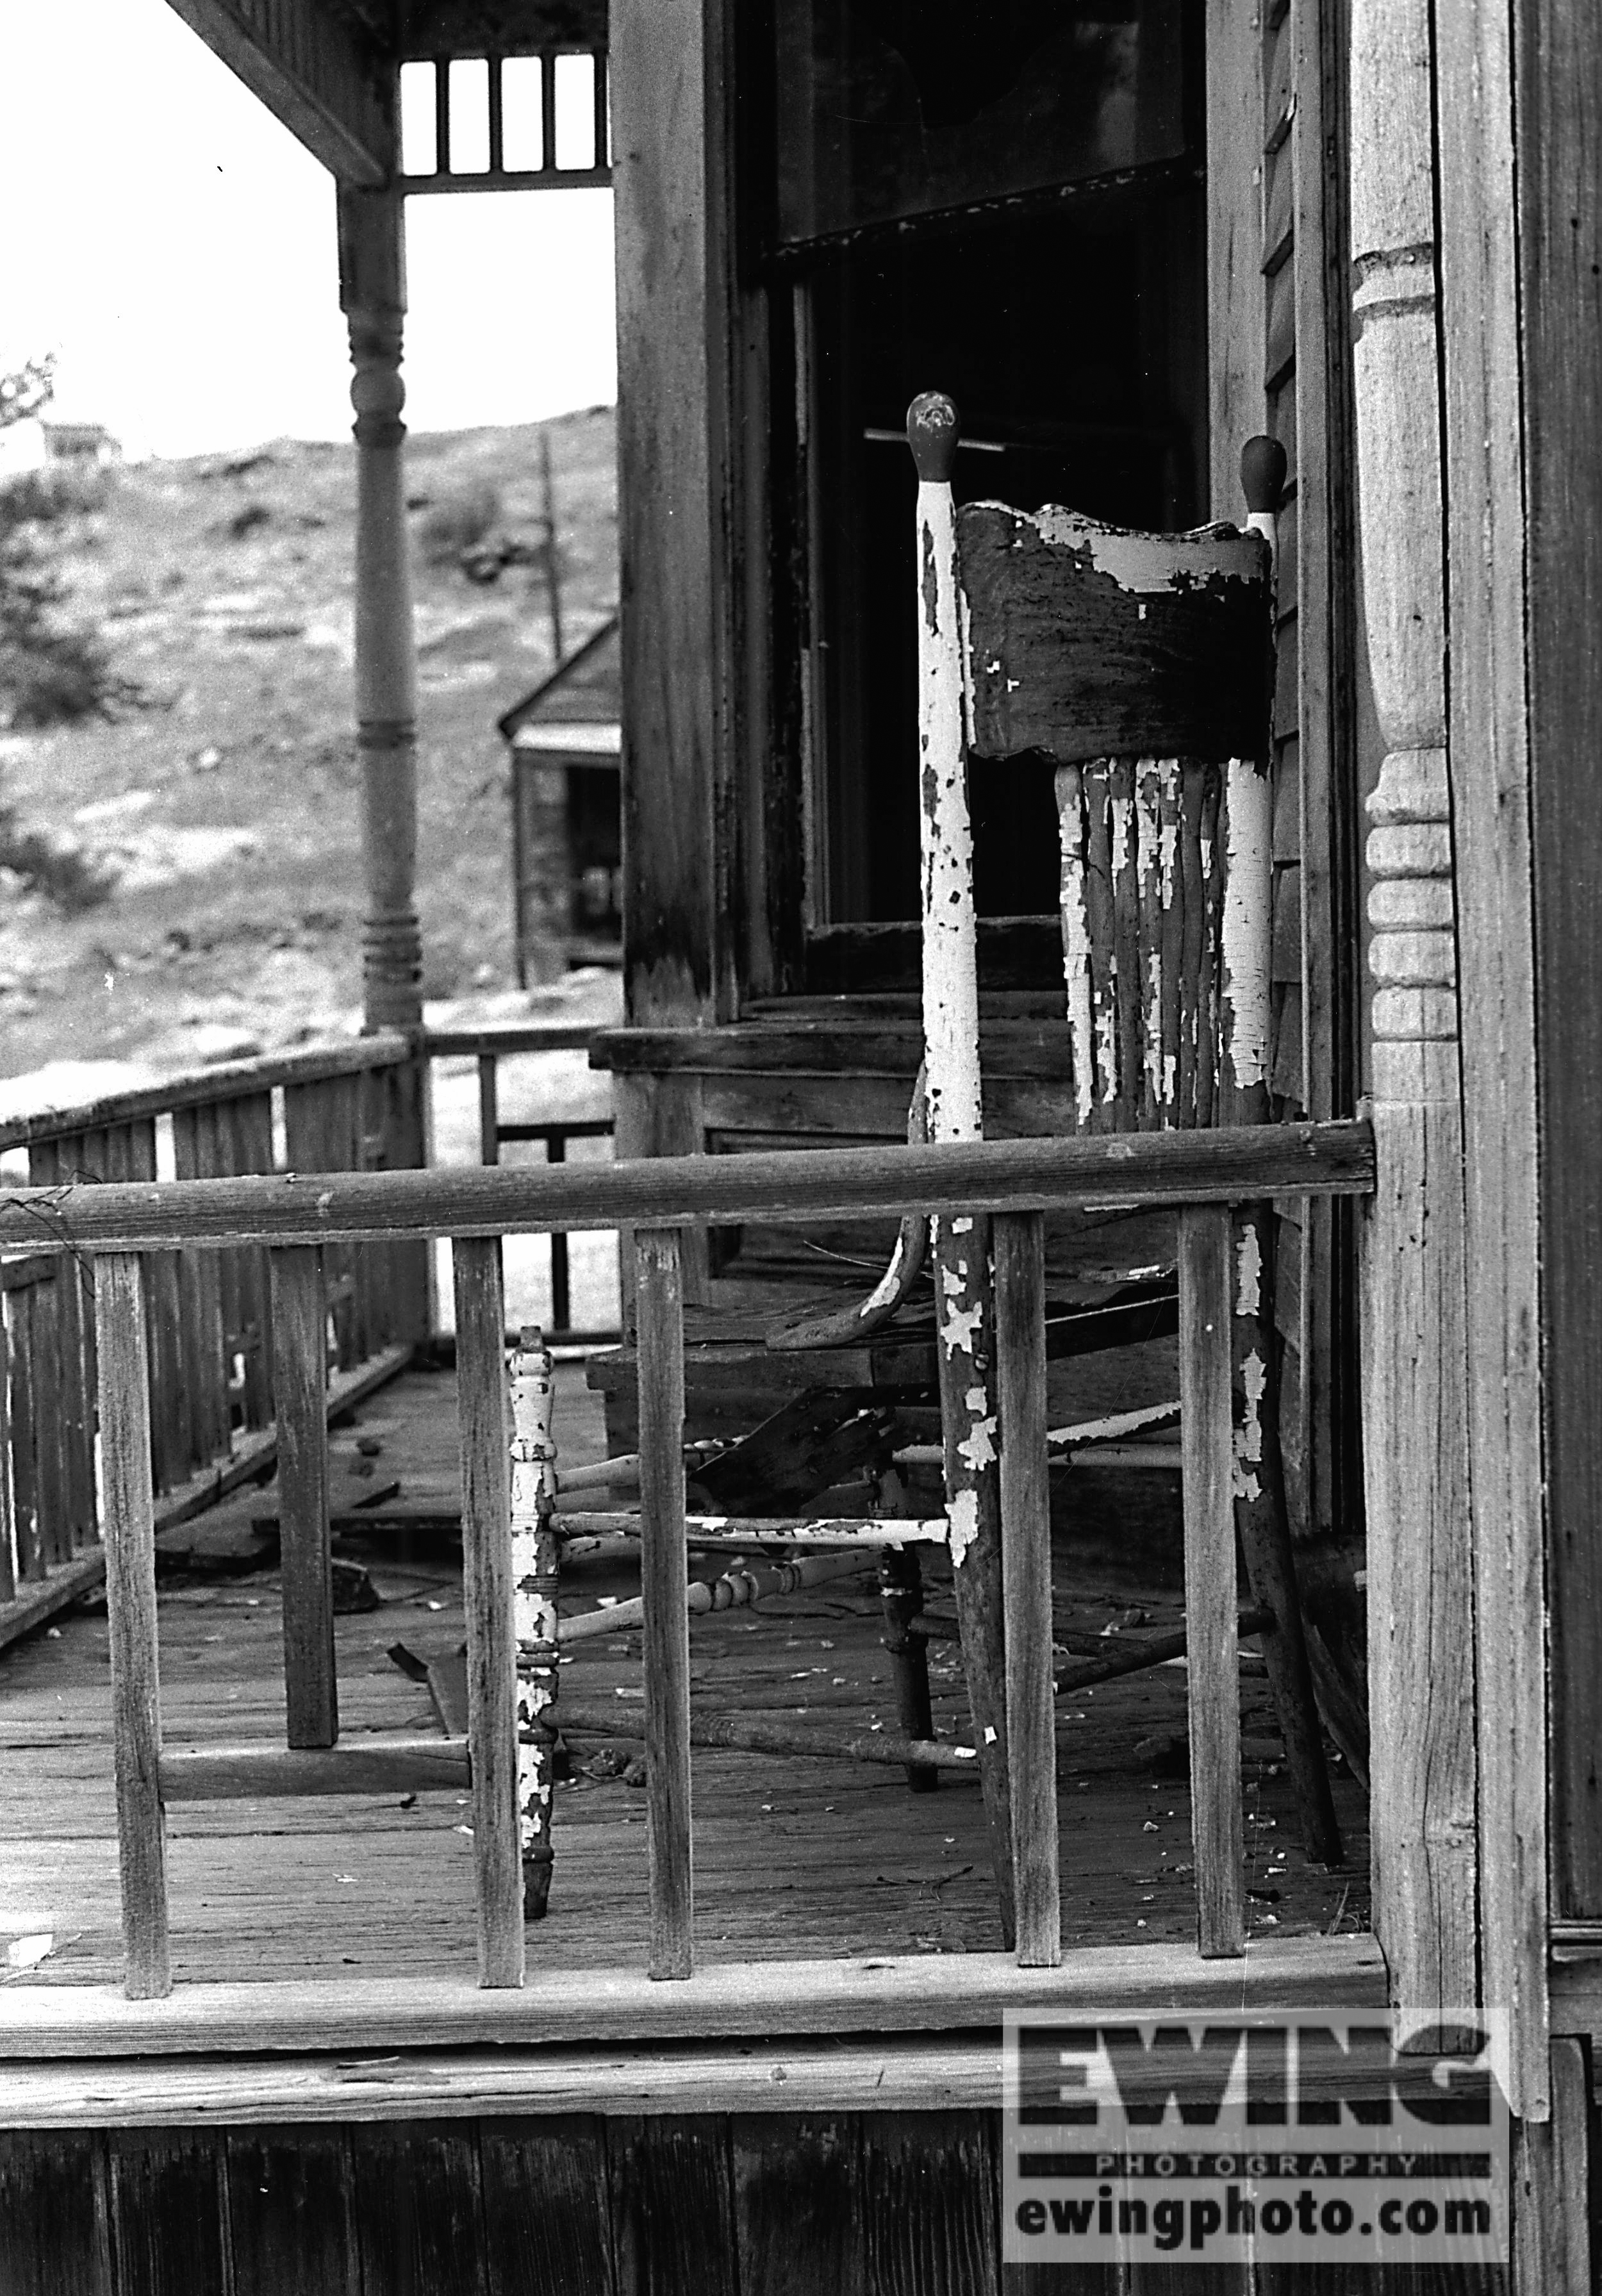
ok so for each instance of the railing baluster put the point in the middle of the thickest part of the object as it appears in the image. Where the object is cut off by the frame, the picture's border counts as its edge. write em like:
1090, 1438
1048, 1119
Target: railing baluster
487, 1592
490, 1145
1020, 1250
24, 1457
562, 1302
299, 1378
130, 1539
664, 1568
1213, 1665
10, 1558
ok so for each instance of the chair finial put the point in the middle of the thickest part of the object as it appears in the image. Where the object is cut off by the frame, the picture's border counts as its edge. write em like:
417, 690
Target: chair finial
1262, 468
933, 427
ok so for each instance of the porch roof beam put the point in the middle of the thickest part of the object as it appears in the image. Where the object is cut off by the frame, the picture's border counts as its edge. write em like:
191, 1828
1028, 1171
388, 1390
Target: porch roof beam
333, 90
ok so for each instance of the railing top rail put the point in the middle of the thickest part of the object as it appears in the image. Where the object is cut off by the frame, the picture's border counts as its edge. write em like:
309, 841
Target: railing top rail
787, 1187
511, 1036
196, 1087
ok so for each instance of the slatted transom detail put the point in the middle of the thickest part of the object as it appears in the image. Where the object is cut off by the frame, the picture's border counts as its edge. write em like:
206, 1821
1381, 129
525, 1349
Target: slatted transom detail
506, 123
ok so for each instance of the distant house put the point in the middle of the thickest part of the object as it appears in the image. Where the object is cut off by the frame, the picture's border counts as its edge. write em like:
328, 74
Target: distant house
81, 445
566, 739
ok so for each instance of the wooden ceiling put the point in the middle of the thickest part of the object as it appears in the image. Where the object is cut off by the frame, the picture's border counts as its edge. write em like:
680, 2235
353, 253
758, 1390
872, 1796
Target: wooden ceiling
327, 68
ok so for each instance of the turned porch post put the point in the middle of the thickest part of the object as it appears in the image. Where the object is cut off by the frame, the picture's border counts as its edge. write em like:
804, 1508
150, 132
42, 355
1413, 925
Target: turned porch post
1414, 1404
373, 297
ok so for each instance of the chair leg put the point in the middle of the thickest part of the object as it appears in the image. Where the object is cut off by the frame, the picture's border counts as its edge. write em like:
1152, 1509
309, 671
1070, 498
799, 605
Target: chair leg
535, 1563
1263, 1526
965, 1347
902, 1595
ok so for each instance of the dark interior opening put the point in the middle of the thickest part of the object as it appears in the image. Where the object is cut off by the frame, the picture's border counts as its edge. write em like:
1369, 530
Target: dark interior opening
1077, 346
1067, 318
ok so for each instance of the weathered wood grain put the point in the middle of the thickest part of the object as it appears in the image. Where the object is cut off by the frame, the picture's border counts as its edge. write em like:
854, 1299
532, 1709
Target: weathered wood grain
487, 1600
1207, 1420
1552, 2169
798, 1995
1026, 1572
1490, 391
672, 2201
291, 2211
1215, 1165
168, 2213
798, 2204
1234, 76
1415, 1409
387, 1764
418, 2207
54, 2226
545, 2203
130, 1544
664, 1566
673, 289
929, 2203
299, 1380
1556, 78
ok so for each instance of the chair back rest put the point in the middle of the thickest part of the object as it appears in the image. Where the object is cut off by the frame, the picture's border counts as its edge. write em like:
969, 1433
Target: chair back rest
1141, 664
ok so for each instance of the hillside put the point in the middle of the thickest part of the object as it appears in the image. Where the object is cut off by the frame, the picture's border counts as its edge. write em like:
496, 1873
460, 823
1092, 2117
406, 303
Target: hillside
216, 823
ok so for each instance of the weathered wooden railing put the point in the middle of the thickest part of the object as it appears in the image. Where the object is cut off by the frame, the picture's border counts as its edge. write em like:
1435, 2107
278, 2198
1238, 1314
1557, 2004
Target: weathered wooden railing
489, 1045
350, 1107
298, 1221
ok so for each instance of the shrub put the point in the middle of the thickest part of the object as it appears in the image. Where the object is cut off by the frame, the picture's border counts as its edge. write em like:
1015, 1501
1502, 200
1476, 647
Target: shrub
52, 672
454, 525
54, 866
40, 497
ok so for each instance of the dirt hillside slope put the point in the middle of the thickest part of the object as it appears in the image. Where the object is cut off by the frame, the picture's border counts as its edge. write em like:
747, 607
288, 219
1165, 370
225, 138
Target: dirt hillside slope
216, 824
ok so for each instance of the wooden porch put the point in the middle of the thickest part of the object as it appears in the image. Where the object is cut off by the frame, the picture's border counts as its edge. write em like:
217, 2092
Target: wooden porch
795, 1857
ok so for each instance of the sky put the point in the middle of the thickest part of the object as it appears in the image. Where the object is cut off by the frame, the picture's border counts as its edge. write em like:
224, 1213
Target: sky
175, 246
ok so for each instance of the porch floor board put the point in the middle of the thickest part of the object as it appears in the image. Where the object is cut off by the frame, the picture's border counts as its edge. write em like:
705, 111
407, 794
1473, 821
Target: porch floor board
793, 1858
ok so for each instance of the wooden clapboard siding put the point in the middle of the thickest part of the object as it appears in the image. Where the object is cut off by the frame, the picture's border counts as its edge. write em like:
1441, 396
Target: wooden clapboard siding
1279, 359
664, 2203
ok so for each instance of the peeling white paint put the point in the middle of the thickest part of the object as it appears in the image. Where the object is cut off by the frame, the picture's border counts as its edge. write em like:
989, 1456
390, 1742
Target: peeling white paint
963, 1517
1246, 934
1248, 1288
532, 1463
960, 1329
1076, 942
977, 1448
950, 968
1248, 1436
963, 1226
885, 1290
1148, 563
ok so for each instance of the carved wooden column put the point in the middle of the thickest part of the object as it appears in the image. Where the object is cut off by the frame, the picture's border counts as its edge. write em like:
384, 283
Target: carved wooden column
1414, 1346
373, 297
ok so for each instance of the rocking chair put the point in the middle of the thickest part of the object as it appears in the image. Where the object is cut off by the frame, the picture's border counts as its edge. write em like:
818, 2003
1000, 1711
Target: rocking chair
1140, 664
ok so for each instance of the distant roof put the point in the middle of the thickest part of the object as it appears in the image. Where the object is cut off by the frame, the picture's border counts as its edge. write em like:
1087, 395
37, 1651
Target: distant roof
584, 689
